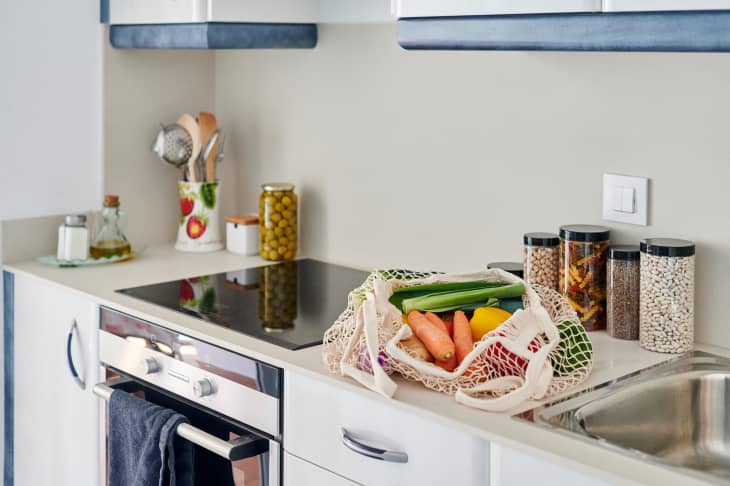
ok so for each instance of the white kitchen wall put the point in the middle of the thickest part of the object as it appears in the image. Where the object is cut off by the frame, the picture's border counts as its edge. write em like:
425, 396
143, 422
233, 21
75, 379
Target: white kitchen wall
50, 101
143, 88
442, 160
50, 129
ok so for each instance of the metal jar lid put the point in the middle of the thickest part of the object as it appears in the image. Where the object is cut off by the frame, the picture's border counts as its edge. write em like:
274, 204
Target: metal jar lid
541, 239
667, 247
623, 252
515, 268
76, 220
277, 186
584, 232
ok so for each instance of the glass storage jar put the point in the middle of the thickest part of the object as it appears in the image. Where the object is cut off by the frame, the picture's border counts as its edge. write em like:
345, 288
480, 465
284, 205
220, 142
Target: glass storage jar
278, 290
515, 268
540, 259
622, 301
278, 221
583, 272
666, 322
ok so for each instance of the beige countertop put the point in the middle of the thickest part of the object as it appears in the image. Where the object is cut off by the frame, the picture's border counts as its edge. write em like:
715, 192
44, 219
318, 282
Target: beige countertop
612, 359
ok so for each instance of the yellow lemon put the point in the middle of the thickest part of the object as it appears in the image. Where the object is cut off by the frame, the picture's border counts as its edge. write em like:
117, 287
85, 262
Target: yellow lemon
486, 319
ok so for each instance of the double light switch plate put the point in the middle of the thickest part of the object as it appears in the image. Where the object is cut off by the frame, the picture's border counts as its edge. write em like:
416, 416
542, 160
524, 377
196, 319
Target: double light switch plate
625, 199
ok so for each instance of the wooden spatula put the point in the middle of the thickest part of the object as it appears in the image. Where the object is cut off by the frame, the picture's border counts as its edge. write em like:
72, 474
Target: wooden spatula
208, 126
188, 123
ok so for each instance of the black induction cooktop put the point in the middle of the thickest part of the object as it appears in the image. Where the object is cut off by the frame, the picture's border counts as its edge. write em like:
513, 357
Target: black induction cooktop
290, 304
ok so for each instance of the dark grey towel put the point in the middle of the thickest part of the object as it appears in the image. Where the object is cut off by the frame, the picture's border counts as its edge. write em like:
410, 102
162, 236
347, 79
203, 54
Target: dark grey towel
143, 447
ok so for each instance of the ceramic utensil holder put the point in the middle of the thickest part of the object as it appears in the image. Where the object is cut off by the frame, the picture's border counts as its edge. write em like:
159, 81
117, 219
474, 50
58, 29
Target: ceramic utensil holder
199, 229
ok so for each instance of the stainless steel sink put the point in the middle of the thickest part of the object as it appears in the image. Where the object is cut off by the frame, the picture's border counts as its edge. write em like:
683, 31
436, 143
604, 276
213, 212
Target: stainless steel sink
676, 413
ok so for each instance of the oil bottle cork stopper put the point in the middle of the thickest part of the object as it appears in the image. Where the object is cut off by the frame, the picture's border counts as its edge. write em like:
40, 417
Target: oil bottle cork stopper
111, 200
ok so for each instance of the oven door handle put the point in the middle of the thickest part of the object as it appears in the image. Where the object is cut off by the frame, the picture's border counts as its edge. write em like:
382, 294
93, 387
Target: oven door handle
233, 450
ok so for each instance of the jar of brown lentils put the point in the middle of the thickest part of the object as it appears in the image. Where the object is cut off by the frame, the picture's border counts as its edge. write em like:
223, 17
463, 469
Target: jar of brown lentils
278, 221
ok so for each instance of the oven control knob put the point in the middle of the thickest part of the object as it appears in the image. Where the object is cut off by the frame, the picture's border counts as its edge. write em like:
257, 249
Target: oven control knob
203, 388
149, 366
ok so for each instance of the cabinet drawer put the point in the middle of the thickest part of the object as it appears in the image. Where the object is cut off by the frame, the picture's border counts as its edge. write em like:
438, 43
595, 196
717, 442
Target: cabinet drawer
511, 467
298, 472
317, 416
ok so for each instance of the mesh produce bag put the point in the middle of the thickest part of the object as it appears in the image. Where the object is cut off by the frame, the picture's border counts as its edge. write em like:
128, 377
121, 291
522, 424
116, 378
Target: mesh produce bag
538, 352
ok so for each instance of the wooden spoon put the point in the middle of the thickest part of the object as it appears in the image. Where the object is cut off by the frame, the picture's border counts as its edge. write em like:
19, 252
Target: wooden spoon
188, 122
208, 126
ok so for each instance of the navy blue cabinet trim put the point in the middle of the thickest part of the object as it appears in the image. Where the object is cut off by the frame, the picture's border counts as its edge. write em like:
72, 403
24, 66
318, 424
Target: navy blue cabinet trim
8, 349
104, 11
700, 31
214, 35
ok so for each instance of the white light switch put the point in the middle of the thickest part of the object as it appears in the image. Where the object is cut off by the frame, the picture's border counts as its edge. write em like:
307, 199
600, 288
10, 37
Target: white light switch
625, 199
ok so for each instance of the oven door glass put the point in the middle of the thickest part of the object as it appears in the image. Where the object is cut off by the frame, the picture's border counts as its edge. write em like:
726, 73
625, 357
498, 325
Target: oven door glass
259, 469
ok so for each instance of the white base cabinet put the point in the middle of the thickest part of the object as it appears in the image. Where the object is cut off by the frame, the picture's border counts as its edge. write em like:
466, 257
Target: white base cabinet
510, 467
336, 429
56, 438
298, 472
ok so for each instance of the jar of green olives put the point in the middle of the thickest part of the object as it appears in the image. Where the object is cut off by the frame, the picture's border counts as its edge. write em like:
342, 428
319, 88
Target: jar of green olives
278, 221
278, 296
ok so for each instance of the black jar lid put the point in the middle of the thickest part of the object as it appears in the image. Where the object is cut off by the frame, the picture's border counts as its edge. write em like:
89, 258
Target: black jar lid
584, 232
667, 247
623, 252
541, 239
515, 268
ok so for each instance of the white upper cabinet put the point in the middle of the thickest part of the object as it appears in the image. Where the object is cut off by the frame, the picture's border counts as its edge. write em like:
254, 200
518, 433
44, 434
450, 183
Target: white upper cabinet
454, 8
439, 8
663, 5
136, 12
193, 11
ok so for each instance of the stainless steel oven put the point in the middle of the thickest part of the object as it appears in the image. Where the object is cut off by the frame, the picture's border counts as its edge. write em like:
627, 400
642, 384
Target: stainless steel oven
233, 402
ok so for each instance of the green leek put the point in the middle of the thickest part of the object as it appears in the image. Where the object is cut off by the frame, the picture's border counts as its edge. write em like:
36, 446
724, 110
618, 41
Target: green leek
448, 301
403, 293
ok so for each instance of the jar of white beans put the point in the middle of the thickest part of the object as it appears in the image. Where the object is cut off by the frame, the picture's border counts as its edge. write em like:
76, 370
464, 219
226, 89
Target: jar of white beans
666, 303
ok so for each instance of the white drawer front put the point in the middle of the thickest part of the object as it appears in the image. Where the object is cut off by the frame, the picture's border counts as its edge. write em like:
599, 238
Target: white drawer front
510, 467
298, 472
317, 413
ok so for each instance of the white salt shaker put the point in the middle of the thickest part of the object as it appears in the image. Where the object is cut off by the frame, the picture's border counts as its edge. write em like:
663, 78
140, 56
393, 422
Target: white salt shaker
73, 239
242, 234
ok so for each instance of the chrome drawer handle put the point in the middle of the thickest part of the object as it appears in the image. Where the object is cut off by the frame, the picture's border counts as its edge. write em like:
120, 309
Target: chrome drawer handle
370, 451
78, 379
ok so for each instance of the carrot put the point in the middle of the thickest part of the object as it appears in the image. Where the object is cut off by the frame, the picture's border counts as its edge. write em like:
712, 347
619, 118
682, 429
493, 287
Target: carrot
436, 340
436, 321
449, 365
462, 336
450, 327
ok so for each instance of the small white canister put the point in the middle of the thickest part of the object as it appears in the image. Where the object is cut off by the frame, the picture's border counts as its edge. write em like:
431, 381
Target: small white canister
73, 239
242, 234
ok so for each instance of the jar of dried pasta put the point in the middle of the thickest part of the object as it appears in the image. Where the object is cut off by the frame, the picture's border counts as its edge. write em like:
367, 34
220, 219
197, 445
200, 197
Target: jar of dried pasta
278, 221
583, 272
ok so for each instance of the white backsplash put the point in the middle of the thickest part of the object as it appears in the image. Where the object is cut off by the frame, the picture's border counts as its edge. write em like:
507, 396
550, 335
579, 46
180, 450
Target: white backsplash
144, 88
442, 160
